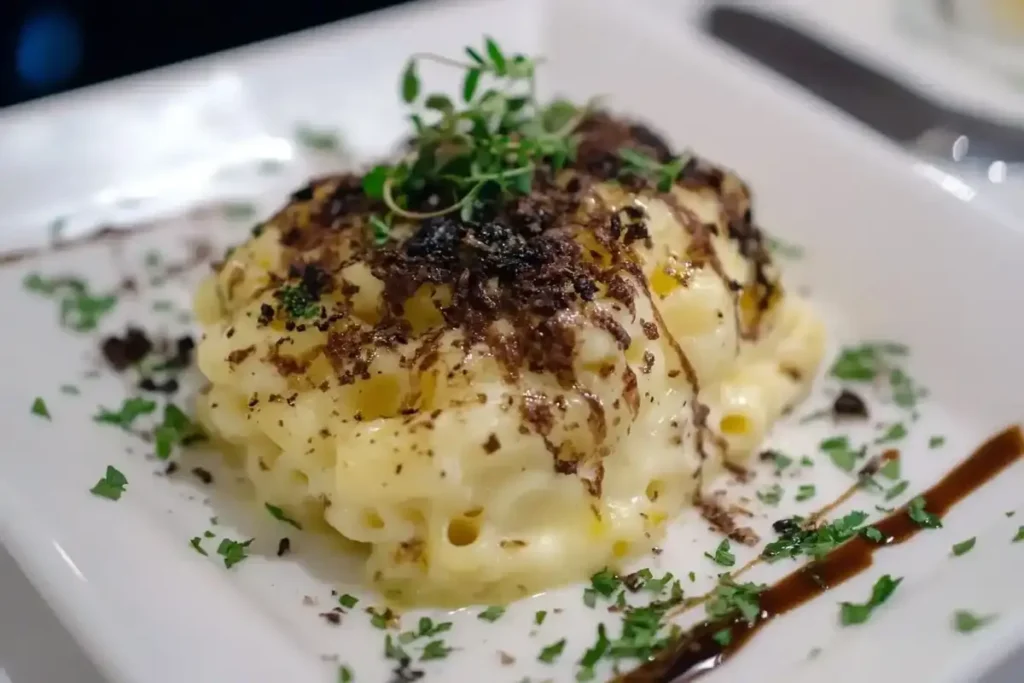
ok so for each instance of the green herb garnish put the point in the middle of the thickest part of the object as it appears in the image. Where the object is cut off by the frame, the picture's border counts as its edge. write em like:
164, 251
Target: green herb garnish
771, 496
80, 310
195, 543
663, 175
722, 555
280, 515
895, 432
1020, 535
552, 652
345, 674
69, 389
864, 362
964, 547
841, 453
348, 601
965, 621
723, 637
891, 469
731, 598
492, 613
593, 655
176, 429
131, 409
918, 513
816, 542
853, 613
233, 552
605, 582
897, 490
872, 534
39, 408
318, 139
481, 149
111, 485
936, 441
805, 492
435, 649
539, 617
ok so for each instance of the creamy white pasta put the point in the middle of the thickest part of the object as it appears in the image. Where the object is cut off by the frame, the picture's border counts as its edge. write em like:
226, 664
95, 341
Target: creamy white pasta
498, 406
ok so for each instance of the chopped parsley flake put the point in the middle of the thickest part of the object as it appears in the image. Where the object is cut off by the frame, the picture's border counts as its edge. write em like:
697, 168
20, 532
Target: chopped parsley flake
897, 490
492, 613
805, 492
936, 441
918, 513
593, 655
348, 601
69, 389
79, 310
779, 459
539, 617
111, 485
175, 429
966, 622
394, 651
1020, 535
891, 469
869, 361
195, 543
318, 139
771, 496
723, 637
344, 674
730, 598
722, 555
964, 547
552, 652
805, 461
425, 628
872, 534
233, 552
853, 613
39, 408
895, 432
435, 649
816, 542
841, 453
131, 409
864, 362
280, 515
605, 582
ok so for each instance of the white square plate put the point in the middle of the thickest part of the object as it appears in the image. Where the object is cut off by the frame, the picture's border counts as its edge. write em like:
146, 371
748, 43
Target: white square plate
894, 250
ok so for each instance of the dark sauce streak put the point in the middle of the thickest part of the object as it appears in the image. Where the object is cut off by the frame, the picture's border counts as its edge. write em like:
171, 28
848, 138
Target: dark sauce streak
697, 652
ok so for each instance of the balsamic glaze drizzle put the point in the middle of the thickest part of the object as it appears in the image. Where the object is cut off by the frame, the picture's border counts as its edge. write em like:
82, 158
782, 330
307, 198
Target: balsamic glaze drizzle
697, 652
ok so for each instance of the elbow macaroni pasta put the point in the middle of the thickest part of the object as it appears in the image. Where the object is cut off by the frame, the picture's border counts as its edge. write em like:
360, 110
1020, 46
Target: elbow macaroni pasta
446, 471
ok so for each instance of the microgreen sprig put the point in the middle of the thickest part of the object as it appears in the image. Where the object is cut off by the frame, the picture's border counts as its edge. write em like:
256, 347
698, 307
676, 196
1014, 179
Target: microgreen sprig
472, 152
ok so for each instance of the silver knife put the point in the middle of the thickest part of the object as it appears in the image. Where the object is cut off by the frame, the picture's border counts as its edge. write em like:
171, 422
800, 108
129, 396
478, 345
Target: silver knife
878, 101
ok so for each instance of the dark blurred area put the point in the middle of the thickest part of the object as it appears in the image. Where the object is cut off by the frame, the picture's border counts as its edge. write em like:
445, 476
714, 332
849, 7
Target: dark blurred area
50, 46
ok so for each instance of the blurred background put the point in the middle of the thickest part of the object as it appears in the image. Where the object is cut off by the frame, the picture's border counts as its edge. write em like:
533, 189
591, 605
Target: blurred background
48, 46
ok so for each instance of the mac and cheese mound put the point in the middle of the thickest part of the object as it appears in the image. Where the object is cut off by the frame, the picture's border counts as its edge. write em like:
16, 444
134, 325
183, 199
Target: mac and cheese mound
499, 405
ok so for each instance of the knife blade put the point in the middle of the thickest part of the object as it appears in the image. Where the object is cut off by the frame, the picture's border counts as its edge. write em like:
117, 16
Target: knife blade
882, 103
